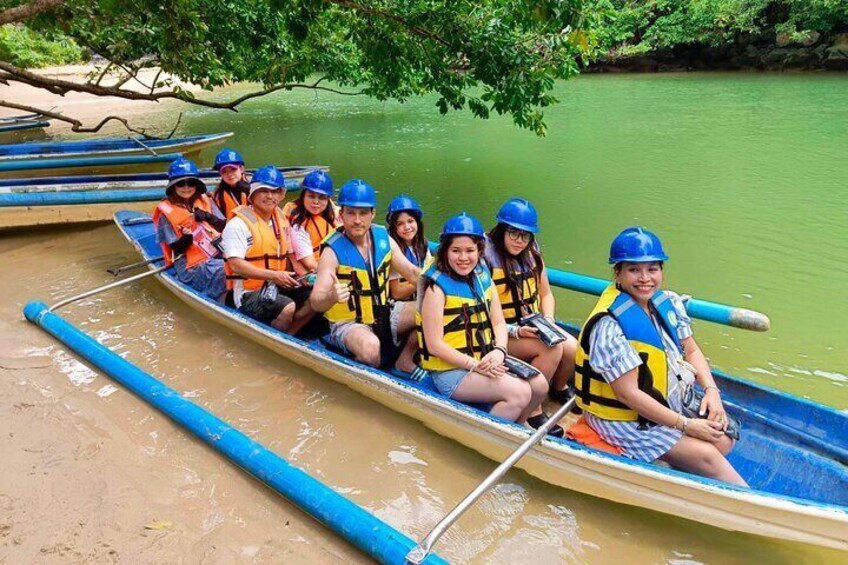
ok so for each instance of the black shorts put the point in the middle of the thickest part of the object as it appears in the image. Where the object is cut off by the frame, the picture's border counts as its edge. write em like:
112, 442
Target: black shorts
299, 294
253, 307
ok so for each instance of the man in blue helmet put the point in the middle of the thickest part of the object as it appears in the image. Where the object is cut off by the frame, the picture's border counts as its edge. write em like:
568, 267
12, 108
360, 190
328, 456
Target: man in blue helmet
352, 284
256, 246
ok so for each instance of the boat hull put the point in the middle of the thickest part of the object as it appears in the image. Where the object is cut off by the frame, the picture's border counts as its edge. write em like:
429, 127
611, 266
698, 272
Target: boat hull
560, 462
93, 199
74, 154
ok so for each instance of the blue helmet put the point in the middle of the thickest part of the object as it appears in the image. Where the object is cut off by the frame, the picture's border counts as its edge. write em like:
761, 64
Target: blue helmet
519, 214
227, 156
462, 224
357, 193
268, 177
183, 169
403, 203
636, 245
318, 182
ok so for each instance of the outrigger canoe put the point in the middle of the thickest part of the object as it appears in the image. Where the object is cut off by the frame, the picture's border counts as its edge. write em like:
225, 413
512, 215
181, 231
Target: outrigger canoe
109, 147
96, 198
22, 125
23, 122
793, 452
99, 156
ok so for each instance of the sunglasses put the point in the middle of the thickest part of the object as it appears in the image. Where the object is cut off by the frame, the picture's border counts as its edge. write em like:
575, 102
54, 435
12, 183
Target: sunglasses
519, 235
183, 183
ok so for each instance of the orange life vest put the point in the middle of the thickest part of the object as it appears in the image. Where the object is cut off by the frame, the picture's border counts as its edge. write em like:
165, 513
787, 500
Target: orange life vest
317, 227
180, 217
269, 248
227, 203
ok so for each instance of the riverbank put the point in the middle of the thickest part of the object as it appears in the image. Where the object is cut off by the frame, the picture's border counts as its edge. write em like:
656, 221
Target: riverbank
815, 52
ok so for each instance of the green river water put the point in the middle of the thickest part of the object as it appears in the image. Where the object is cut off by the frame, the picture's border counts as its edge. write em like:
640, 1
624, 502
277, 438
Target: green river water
742, 176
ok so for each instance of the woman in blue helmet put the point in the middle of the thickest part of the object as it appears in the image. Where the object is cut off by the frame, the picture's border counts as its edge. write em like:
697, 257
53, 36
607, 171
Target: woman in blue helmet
312, 215
462, 335
188, 227
636, 361
404, 222
233, 189
518, 271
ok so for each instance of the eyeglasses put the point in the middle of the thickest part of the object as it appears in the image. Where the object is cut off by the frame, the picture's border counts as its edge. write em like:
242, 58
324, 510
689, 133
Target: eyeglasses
182, 183
519, 235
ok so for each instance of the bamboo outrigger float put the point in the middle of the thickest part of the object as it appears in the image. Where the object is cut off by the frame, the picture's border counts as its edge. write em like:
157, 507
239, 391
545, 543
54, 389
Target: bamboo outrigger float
793, 452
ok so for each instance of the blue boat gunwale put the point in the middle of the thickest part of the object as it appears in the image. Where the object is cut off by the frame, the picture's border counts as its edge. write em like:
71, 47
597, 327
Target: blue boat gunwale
766, 498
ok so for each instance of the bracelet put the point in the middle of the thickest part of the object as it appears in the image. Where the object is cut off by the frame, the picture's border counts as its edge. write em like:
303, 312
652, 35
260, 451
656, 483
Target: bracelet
502, 349
715, 388
513, 331
470, 363
685, 424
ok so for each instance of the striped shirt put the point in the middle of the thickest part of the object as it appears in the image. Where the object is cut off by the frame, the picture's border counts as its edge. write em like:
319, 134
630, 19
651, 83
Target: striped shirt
611, 356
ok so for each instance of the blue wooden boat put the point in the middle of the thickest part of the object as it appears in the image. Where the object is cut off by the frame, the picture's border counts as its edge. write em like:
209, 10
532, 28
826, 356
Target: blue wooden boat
93, 198
99, 156
109, 147
793, 452
21, 125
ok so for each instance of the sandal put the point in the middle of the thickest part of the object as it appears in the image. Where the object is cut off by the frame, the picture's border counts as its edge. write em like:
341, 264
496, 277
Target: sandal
537, 422
563, 396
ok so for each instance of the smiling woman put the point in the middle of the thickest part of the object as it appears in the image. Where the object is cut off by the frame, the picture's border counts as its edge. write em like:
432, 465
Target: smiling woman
631, 374
188, 227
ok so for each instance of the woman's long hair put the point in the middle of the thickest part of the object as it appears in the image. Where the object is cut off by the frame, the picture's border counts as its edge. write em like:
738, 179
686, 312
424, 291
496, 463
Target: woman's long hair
529, 259
419, 242
301, 214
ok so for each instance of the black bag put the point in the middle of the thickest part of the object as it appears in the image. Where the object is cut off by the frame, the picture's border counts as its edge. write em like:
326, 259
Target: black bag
549, 333
268, 294
519, 368
692, 398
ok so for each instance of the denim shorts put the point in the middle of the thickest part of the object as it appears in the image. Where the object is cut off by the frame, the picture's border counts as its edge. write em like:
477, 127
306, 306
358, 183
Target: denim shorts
447, 381
339, 331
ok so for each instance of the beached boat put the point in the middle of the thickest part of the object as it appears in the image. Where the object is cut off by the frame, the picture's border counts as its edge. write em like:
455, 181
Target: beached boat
11, 124
109, 147
93, 198
22, 125
99, 156
793, 452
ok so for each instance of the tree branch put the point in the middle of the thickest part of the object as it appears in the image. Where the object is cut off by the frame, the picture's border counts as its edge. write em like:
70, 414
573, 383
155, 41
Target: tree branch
76, 125
26, 11
62, 87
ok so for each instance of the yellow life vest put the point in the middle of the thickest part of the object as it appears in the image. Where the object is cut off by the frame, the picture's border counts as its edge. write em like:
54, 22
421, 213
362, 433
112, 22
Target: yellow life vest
466, 322
522, 297
594, 394
369, 284
269, 248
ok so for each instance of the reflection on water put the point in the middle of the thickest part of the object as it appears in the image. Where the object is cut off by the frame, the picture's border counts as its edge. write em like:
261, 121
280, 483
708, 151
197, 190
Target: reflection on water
714, 165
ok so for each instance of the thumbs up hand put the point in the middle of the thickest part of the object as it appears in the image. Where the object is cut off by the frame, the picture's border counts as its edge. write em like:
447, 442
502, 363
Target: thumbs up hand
339, 292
